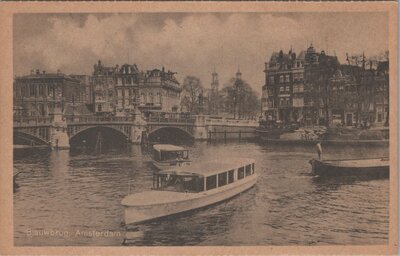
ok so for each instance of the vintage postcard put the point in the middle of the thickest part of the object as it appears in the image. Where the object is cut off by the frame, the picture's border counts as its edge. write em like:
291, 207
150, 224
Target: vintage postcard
210, 128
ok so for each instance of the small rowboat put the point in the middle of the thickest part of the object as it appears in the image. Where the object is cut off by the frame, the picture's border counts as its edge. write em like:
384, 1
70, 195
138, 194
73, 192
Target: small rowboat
351, 167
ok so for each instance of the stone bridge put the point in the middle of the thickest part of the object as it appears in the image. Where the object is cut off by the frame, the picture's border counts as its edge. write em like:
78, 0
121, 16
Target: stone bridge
58, 131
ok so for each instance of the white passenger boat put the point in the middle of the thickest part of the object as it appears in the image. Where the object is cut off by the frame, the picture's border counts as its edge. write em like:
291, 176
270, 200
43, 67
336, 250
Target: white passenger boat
166, 156
191, 187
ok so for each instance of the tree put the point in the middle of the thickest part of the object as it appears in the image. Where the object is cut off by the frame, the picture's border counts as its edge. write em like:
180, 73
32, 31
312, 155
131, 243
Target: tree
240, 99
191, 91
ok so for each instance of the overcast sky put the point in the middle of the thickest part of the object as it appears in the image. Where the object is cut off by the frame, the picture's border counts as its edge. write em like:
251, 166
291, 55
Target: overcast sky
189, 43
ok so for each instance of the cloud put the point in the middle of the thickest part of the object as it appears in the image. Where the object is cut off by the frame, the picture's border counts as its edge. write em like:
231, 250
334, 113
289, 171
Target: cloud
192, 44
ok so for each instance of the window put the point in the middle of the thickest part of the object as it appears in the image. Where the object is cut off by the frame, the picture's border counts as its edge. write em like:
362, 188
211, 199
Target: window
41, 90
158, 98
151, 98
301, 88
295, 88
240, 173
230, 176
287, 88
31, 91
248, 170
281, 79
271, 80
287, 78
222, 181
99, 108
281, 89
143, 98
179, 183
211, 182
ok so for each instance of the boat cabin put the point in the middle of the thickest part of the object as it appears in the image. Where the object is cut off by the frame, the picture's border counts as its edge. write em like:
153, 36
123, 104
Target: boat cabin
166, 152
203, 177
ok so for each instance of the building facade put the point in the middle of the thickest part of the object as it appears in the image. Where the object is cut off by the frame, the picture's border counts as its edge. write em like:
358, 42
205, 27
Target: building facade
314, 89
283, 92
120, 89
103, 84
39, 93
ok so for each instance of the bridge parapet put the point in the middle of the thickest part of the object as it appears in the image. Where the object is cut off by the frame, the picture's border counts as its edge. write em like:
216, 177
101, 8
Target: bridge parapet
171, 120
99, 119
32, 121
231, 122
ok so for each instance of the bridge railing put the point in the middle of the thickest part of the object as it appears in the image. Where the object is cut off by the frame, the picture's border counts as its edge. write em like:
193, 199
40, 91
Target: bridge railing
31, 121
99, 119
170, 120
231, 122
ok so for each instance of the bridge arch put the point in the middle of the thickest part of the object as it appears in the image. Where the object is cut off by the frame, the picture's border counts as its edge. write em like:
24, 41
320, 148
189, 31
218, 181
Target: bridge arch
90, 135
169, 134
28, 138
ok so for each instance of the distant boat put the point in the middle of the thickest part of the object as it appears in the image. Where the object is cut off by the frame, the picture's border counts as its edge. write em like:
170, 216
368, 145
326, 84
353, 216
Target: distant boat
191, 187
351, 167
166, 156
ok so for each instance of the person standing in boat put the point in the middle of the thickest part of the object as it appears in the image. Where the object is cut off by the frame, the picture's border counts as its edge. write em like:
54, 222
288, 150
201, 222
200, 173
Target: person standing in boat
319, 150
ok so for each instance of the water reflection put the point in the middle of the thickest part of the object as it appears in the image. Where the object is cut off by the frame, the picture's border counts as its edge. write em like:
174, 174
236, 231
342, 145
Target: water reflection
82, 190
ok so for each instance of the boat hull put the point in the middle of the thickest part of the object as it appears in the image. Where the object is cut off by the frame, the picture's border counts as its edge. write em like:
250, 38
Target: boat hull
321, 168
141, 213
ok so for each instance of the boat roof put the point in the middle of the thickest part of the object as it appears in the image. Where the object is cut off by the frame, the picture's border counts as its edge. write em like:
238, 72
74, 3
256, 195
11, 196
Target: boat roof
167, 147
209, 168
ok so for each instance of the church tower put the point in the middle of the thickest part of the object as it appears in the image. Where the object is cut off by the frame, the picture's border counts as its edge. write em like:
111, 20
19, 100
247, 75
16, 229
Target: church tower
214, 82
214, 98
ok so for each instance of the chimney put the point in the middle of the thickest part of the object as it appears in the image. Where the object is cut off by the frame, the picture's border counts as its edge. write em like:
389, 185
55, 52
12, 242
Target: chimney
163, 69
44, 72
37, 72
32, 71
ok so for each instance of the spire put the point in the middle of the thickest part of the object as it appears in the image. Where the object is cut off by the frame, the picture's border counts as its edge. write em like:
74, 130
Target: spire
238, 74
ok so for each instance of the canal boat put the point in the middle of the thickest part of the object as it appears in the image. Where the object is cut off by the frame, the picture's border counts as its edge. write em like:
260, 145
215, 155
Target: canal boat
187, 188
166, 156
351, 167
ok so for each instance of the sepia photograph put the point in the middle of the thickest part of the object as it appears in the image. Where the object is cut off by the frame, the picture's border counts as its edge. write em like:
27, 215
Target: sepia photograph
202, 128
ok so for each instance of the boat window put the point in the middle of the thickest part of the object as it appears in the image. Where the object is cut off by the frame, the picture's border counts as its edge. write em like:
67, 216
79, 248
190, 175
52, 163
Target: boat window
156, 155
185, 154
222, 179
252, 168
230, 176
180, 183
248, 170
170, 155
240, 173
211, 182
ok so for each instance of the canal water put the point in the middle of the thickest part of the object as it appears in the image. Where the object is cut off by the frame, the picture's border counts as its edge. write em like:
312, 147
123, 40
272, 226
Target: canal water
73, 198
